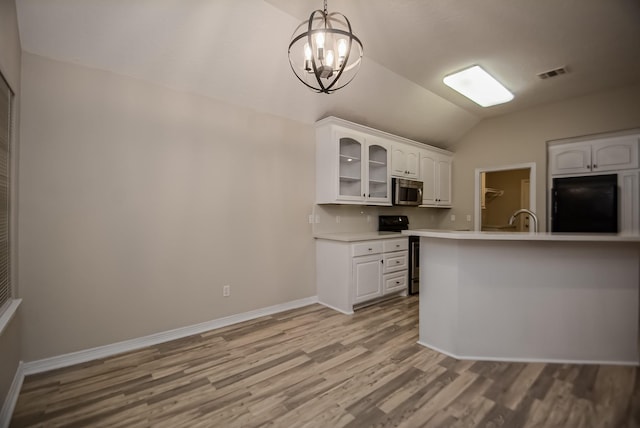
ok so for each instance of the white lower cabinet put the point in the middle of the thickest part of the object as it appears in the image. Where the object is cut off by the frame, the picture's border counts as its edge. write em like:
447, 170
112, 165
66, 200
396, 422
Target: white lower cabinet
350, 273
367, 277
395, 282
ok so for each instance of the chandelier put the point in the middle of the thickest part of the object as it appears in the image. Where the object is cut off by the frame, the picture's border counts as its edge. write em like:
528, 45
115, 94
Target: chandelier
321, 52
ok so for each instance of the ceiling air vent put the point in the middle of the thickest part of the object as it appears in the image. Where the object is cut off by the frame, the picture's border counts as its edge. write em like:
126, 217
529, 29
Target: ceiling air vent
553, 73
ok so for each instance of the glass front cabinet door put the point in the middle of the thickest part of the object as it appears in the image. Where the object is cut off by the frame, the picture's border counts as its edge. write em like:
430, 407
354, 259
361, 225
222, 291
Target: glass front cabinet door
379, 186
350, 182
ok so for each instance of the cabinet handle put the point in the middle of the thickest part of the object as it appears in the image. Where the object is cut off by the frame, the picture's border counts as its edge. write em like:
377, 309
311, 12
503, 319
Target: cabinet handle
397, 245
595, 166
381, 261
397, 282
370, 249
397, 261
588, 166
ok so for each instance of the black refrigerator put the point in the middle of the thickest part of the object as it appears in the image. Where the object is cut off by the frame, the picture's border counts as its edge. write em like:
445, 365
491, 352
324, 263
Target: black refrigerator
585, 204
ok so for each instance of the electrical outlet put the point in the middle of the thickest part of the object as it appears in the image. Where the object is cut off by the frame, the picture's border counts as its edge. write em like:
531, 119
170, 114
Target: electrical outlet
226, 290
453, 217
468, 217
310, 218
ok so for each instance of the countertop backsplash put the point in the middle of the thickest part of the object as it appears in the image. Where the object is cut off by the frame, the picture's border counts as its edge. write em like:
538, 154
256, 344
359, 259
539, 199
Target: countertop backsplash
363, 219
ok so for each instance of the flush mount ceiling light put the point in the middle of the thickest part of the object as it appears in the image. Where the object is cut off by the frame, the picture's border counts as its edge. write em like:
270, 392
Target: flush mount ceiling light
324, 53
479, 86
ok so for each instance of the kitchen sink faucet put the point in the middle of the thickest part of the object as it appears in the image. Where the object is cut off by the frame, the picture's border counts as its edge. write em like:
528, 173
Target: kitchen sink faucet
512, 219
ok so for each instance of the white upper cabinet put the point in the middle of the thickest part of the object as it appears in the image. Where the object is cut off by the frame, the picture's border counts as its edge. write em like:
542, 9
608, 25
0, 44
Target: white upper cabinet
615, 153
354, 165
405, 161
351, 167
435, 173
607, 154
570, 160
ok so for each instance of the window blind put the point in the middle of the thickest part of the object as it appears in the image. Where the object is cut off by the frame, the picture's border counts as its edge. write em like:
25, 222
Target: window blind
5, 142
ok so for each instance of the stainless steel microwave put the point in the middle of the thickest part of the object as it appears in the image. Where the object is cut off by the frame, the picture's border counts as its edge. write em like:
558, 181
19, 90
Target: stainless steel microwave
406, 192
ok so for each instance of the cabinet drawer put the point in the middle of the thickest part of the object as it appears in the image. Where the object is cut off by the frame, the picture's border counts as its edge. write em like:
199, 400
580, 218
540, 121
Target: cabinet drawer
395, 282
396, 245
367, 247
394, 262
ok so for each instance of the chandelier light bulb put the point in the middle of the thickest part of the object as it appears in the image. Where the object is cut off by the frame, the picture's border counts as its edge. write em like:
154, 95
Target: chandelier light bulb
329, 60
342, 51
342, 48
307, 52
320, 40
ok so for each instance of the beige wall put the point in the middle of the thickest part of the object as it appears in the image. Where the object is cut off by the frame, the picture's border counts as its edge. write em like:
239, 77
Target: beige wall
10, 53
521, 137
138, 203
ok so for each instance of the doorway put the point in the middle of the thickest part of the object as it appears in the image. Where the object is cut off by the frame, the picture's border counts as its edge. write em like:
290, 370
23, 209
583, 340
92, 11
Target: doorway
500, 191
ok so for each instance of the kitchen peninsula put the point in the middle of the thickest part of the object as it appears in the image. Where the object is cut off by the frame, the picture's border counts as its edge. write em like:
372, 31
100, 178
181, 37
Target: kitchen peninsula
530, 297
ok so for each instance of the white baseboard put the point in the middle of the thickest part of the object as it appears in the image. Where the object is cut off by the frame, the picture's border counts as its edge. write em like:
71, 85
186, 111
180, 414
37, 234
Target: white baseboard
12, 397
529, 360
335, 308
72, 358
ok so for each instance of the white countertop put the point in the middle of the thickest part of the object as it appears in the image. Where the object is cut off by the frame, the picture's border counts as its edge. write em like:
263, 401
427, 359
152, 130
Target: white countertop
359, 236
521, 236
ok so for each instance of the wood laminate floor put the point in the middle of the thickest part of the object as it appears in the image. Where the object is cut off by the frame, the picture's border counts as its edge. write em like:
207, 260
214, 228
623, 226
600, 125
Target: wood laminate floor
314, 367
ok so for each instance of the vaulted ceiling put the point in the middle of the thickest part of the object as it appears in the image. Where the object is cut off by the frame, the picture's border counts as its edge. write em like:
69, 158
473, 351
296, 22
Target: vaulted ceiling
236, 51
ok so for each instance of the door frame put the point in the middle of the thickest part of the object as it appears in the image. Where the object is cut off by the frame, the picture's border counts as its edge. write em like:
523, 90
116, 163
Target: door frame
525, 223
477, 210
